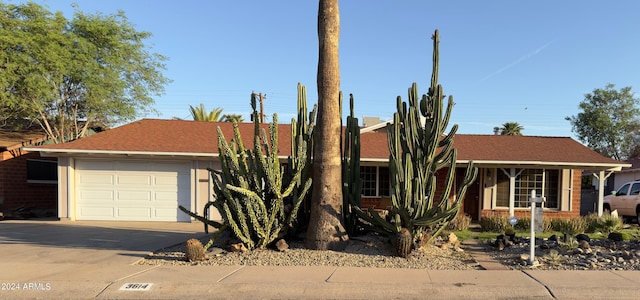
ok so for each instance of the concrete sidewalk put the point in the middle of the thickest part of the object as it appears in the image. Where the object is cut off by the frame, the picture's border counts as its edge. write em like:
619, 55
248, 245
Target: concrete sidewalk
96, 260
206, 282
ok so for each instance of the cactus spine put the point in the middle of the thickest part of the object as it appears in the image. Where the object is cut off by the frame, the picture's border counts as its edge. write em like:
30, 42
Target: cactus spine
257, 199
420, 147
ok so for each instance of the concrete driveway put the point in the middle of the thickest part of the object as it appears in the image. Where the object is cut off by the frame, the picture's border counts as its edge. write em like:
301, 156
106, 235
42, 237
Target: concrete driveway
89, 242
79, 260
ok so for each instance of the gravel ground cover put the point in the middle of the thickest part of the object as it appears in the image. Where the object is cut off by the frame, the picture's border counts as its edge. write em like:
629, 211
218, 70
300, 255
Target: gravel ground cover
374, 251
364, 251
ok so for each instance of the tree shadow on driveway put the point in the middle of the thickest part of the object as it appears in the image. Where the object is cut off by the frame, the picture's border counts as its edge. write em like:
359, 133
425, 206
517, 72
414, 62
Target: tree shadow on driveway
89, 240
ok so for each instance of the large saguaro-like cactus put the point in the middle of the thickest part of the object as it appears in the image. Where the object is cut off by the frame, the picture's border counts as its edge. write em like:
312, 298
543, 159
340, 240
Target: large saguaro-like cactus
351, 181
256, 196
419, 148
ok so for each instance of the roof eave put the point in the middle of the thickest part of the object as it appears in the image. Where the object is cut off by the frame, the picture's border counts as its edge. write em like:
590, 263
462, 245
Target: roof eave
573, 165
69, 152
581, 165
94, 153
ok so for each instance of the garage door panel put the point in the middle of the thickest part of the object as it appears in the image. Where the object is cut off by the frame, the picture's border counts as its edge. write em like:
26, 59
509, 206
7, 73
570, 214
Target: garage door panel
142, 166
102, 165
166, 181
134, 196
96, 213
94, 178
166, 197
166, 213
132, 190
134, 213
142, 181
97, 196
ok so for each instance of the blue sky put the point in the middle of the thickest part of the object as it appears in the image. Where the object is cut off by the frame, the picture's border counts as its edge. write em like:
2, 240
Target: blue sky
529, 62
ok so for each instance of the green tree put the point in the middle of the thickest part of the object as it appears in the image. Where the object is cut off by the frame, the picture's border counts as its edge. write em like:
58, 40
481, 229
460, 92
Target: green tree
200, 114
66, 74
608, 121
233, 117
511, 128
326, 230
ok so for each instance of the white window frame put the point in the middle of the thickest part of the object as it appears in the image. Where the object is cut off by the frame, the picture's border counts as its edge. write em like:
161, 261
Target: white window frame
377, 182
512, 186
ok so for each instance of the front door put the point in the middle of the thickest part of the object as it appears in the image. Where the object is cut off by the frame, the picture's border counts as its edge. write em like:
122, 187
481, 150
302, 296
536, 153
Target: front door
471, 202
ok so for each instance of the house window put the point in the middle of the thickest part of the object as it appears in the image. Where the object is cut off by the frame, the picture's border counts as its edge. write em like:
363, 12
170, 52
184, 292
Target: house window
502, 189
528, 180
375, 181
542, 181
384, 181
42, 171
552, 189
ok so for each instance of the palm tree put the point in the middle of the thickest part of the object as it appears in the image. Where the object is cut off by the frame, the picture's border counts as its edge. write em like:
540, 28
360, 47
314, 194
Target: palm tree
233, 117
326, 230
511, 128
201, 114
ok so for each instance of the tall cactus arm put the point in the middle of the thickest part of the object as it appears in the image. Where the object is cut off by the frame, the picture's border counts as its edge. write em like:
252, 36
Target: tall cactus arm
239, 230
254, 210
215, 224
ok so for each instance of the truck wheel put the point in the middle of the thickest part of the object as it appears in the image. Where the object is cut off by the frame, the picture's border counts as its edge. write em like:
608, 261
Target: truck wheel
606, 209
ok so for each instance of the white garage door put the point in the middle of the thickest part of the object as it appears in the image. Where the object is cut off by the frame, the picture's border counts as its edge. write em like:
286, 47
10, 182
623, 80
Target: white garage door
132, 190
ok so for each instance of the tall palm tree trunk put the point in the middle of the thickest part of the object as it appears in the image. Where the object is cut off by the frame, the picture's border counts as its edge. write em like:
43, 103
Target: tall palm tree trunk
325, 226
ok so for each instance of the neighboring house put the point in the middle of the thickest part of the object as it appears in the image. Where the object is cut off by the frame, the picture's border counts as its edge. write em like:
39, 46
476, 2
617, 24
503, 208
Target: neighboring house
28, 182
627, 174
145, 169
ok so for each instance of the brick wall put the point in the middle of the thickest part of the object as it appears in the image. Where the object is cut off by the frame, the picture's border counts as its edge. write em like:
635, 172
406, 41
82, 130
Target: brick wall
16, 192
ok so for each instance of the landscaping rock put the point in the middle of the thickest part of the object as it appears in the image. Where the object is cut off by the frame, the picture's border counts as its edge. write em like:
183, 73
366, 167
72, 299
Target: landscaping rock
583, 237
452, 239
583, 244
602, 254
615, 236
239, 247
282, 245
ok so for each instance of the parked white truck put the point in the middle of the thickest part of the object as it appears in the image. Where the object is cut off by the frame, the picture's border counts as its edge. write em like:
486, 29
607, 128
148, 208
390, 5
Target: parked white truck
626, 200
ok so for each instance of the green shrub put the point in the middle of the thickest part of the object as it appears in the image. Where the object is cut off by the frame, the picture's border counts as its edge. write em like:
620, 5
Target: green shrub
592, 221
509, 231
524, 224
569, 225
460, 223
609, 223
604, 224
494, 223
626, 236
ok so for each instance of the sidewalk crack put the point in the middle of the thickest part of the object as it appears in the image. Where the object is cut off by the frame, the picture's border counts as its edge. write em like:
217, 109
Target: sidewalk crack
331, 275
231, 273
540, 282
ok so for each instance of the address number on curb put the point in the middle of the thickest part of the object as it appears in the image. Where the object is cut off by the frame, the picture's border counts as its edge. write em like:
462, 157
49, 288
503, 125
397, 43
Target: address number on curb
136, 286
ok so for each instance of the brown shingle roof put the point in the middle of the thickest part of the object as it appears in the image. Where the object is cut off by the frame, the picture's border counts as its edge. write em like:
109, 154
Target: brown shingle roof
10, 139
200, 138
168, 136
525, 148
